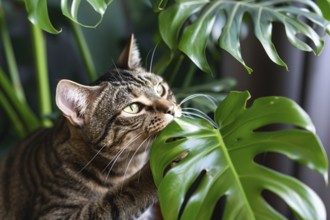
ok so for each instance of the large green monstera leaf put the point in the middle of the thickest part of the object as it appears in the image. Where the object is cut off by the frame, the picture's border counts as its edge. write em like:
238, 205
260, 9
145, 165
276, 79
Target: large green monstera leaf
189, 24
194, 164
38, 12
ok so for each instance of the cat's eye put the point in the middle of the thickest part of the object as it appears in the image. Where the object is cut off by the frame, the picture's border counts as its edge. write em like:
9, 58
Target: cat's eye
133, 108
160, 90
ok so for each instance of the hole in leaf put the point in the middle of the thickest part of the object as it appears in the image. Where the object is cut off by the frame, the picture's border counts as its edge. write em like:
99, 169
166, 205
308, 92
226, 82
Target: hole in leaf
176, 160
306, 40
276, 161
173, 139
219, 208
181, 157
278, 204
191, 190
274, 127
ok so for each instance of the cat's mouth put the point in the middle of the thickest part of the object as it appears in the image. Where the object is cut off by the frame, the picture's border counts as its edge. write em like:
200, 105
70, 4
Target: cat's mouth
177, 112
159, 123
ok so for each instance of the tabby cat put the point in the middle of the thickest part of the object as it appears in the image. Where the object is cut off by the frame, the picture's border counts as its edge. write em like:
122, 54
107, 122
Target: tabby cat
93, 163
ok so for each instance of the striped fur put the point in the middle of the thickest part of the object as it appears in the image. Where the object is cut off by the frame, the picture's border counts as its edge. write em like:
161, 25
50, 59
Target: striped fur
93, 163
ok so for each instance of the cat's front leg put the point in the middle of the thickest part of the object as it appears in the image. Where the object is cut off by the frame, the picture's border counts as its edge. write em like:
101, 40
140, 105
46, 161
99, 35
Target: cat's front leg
126, 201
132, 198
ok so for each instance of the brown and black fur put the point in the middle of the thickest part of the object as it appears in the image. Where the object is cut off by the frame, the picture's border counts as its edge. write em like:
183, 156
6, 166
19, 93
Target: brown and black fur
93, 163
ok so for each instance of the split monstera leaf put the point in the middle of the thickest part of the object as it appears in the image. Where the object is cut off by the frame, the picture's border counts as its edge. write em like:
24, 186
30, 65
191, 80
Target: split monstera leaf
217, 163
38, 12
205, 21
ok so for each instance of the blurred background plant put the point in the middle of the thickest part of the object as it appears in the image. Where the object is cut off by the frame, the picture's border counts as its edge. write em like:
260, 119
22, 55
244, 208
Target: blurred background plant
38, 49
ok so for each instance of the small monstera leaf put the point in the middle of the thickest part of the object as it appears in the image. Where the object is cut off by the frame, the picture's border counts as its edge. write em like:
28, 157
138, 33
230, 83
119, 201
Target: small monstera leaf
194, 164
38, 12
188, 25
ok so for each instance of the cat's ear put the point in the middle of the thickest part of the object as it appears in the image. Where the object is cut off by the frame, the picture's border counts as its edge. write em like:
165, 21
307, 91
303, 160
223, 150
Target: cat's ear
74, 99
130, 56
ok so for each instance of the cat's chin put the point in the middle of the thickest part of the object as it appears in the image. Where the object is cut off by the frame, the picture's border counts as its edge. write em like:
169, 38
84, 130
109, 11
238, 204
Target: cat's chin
168, 118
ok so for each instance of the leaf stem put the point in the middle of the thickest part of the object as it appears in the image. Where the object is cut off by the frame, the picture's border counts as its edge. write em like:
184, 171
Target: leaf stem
84, 51
12, 115
39, 45
189, 76
160, 66
224, 149
10, 57
23, 111
176, 69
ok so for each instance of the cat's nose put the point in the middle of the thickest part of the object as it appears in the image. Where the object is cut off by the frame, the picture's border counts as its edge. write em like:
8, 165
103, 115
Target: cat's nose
165, 107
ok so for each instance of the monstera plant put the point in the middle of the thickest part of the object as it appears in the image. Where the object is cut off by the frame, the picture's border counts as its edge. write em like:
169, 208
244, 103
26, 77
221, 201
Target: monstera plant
198, 20
197, 163
208, 163
213, 161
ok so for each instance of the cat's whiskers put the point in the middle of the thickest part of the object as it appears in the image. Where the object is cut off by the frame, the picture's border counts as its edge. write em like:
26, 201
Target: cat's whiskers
208, 97
137, 150
187, 116
114, 160
118, 72
119, 153
147, 146
198, 113
193, 112
152, 57
91, 160
148, 57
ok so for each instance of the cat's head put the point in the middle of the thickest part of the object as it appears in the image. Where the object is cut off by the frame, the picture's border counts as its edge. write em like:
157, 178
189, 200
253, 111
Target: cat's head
126, 103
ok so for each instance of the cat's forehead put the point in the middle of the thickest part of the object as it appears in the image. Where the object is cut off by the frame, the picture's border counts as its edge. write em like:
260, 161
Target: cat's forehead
125, 77
150, 78
130, 85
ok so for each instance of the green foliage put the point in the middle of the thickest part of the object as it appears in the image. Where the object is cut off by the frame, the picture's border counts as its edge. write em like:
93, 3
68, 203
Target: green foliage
217, 90
9, 54
324, 6
197, 19
38, 12
39, 46
11, 92
38, 15
20, 113
221, 162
